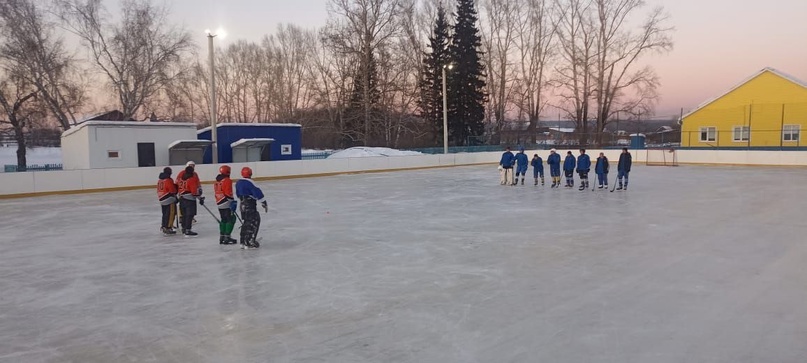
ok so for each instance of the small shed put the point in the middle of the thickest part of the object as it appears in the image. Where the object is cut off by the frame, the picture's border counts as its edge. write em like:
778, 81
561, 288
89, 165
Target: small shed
183, 151
121, 144
285, 144
246, 150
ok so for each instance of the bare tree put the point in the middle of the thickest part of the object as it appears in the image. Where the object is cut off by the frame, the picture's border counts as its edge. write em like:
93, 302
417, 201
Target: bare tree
359, 28
499, 41
621, 87
39, 59
16, 96
292, 47
574, 74
136, 54
536, 47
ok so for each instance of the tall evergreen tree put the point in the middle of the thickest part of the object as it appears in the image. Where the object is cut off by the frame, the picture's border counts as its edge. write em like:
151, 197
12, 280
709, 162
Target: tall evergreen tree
466, 108
431, 82
363, 109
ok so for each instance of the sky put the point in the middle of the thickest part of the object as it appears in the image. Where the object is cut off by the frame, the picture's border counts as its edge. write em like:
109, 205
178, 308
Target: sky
718, 43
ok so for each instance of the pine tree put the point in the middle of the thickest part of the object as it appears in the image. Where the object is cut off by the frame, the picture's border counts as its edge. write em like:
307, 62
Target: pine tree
431, 82
363, 110
467, 78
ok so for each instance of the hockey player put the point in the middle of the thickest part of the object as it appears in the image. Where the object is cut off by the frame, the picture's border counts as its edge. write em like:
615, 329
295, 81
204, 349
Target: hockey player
180, 177
249, 195
623, 167
507, 161
522, 163
537, 168
568, 169
583, 167
189, 191
223, 191
601, 168
167, 195
554, 167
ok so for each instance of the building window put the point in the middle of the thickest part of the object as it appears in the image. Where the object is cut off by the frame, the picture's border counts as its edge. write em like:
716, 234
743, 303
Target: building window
113, 154
708, 134
790, 133
741, 133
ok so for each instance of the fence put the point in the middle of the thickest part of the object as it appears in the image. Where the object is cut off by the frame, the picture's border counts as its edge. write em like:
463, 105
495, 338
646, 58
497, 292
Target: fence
45, 167
316, 155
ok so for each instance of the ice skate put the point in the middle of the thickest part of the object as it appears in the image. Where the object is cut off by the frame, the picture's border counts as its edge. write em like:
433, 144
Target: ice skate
189, 233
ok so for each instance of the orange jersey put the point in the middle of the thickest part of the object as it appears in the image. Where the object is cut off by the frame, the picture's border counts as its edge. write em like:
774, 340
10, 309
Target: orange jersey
223, 190
189, 187
165, 189
182, 174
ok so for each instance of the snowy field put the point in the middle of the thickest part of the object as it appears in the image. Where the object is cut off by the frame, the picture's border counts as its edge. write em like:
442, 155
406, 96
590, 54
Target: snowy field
693, 264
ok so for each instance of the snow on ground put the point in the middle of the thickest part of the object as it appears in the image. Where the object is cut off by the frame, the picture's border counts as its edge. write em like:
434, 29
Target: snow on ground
363, 151
693, 264
35, 156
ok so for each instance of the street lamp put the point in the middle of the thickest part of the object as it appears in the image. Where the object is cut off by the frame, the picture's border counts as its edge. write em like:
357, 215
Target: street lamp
445, 109
214, 149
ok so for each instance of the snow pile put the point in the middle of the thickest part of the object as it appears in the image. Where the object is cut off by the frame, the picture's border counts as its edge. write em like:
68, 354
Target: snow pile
35, 156
363, 152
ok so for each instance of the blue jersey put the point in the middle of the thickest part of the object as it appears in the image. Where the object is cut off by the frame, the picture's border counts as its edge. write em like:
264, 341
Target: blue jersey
553, 161
569, 162
246, 188
538, 163
583, 162
508, 159
522, 160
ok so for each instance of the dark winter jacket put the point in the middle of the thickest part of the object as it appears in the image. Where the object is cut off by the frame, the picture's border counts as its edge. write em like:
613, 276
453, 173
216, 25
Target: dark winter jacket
538, 163
602, 165
569, 162
583, 163
522, 160
553, 161
625, 161
508, 159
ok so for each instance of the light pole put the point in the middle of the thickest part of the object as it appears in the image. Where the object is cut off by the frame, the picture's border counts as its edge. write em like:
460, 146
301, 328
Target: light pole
445, 110
214, 149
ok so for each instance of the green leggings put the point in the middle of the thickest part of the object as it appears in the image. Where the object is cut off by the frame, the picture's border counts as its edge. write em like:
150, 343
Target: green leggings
227, 221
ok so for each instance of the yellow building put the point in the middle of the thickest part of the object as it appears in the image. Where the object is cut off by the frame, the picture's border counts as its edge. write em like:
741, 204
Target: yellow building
769, 109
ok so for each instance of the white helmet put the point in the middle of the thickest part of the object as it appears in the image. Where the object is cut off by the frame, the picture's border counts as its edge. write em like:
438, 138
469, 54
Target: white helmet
552, 149
190, 163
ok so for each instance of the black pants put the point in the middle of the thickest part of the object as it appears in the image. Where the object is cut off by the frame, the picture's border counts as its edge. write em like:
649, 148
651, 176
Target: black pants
583, 174
188, 208
252, 221
568, 173
169, 211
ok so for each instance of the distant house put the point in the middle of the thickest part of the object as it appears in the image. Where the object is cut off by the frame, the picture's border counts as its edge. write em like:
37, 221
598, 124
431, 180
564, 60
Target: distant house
767, 109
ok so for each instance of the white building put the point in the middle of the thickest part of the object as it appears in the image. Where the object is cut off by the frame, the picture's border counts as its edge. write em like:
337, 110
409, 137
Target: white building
122, 144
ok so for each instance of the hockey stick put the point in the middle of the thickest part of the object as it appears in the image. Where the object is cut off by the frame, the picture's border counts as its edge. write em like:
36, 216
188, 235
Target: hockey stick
211, 214
615, 180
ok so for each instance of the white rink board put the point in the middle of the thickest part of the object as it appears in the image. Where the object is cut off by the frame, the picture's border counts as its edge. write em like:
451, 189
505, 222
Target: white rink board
89, 179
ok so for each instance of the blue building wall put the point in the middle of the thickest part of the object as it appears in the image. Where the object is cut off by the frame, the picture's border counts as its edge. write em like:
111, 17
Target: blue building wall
230, 133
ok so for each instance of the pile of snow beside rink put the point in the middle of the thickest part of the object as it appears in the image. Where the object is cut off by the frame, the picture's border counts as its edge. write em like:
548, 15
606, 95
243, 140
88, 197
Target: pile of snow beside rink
363, 152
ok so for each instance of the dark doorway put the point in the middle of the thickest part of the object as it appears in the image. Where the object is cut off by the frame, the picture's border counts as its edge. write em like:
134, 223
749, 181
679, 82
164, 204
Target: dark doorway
145, 154
265, 152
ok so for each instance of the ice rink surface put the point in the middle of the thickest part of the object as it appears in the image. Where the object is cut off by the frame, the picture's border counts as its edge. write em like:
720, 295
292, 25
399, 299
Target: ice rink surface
693, 264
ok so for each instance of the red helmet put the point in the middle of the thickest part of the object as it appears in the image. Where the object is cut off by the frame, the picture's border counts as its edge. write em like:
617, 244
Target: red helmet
224, 170
246, 172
